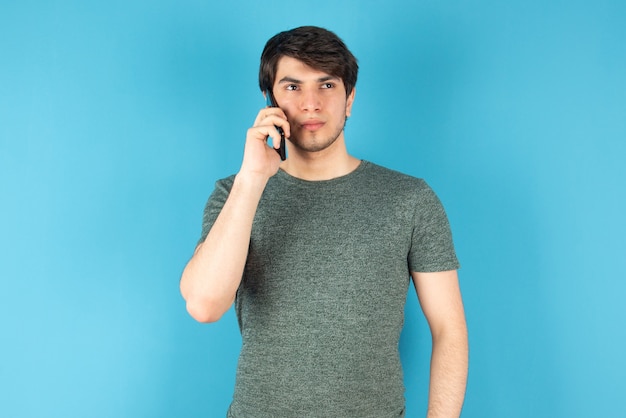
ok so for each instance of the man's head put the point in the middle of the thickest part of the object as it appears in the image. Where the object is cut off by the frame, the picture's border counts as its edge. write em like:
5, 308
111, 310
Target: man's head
318, 48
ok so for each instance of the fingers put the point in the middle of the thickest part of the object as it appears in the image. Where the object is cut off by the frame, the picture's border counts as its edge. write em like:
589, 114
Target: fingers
259, 157
273, 116
263, 132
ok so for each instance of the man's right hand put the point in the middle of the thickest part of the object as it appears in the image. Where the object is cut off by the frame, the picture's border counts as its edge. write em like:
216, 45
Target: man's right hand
261, 159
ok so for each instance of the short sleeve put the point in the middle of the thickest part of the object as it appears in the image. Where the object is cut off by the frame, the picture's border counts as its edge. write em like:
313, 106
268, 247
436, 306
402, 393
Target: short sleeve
432, 248
214, 205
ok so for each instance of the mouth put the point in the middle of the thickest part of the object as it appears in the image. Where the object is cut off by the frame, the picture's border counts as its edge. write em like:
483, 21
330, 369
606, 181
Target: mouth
312, 125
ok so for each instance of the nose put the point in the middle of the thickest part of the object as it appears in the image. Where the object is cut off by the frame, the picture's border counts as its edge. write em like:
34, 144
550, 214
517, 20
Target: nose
310, 100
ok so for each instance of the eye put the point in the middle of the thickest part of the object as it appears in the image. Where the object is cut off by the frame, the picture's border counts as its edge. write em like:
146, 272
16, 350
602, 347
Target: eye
291, 87
328, 85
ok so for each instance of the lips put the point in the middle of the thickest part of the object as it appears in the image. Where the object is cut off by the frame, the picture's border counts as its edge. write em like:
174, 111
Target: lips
312, 124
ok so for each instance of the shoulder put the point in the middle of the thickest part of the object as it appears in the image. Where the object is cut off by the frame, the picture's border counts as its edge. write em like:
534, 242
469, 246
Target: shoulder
405, 192
220, 192
222, 188
395, 181
225, 183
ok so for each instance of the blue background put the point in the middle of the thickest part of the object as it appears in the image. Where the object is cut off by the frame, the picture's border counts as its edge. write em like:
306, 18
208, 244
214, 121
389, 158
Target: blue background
117, 117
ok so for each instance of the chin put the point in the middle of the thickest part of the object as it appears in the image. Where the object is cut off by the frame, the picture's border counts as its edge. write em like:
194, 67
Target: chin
313, 143
313, 146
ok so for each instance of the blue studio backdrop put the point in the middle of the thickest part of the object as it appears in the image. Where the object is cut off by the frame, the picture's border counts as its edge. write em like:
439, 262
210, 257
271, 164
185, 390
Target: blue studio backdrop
117, 117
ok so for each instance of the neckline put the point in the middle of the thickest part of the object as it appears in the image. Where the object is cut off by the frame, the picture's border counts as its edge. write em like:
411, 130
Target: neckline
283, 175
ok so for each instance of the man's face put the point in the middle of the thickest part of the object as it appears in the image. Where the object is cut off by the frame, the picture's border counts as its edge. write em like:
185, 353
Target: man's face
315, 104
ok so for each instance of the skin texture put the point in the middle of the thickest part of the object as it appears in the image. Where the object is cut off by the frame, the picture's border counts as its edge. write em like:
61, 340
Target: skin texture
313, 107
440, 298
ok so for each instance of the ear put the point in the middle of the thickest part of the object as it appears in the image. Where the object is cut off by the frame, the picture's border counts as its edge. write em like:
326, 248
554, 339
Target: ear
349, 101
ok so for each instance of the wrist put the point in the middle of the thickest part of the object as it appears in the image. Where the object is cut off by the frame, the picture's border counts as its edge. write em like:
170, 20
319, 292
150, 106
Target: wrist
250, 182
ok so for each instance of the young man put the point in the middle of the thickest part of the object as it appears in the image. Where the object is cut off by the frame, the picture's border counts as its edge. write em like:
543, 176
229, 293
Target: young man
317, 252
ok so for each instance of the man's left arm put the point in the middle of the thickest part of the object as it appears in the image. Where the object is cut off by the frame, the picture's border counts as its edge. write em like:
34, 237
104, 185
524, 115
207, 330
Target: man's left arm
440, 298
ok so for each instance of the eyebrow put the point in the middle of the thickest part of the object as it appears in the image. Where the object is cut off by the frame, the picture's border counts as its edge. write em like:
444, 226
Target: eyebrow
296, 81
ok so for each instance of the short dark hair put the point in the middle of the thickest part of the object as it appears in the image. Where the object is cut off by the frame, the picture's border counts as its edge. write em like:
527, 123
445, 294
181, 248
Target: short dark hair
316, 47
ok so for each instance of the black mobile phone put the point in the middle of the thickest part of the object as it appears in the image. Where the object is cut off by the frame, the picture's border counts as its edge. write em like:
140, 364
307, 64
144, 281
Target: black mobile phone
269, 99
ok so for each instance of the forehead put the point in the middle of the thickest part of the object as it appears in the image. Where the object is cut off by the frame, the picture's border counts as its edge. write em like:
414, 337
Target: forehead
292, 67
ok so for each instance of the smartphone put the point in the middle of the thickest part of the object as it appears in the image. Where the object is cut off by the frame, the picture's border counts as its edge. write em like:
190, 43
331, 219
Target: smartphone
282, 151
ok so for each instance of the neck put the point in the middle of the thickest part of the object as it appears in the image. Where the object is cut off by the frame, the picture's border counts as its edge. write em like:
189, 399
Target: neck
327, 164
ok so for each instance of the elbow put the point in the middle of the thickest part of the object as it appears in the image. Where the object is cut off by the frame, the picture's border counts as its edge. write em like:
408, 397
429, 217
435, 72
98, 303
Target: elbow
204, 303
199, 307
205, 312
453, 339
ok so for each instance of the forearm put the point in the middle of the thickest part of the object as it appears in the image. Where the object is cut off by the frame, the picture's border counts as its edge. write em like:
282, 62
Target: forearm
210, 280
448, 374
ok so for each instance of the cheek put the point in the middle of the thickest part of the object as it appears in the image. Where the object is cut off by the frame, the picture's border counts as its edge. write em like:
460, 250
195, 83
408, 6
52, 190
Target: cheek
287, 107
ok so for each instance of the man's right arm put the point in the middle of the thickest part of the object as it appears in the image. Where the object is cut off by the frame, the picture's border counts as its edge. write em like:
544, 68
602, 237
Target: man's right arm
211, 278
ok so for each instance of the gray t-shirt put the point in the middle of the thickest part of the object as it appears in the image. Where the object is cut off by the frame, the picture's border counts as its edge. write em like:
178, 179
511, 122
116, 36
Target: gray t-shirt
321, 303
